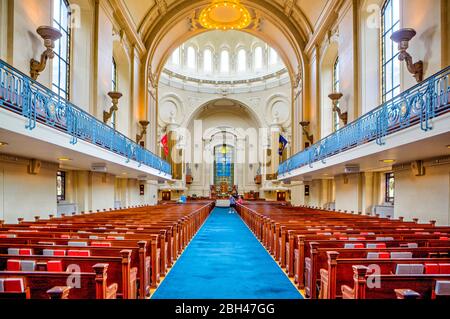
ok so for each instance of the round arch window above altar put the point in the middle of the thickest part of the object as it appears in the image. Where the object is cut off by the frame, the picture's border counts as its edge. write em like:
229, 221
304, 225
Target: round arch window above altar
225, 56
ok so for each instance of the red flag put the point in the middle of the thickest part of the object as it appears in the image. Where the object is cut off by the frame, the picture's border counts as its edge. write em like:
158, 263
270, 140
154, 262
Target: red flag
165, 144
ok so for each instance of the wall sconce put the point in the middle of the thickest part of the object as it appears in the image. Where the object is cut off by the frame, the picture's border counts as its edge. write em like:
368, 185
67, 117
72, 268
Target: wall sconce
144, 125
50, 35
402, 37
115, 96
310, 138
335, 97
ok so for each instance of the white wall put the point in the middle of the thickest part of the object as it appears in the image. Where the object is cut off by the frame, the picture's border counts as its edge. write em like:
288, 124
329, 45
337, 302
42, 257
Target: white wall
425, 197
82, 60
348, 192
24, 43
425, 17
25, 195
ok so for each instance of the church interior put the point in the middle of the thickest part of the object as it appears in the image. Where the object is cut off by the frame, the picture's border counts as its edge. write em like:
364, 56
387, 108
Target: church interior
224, 149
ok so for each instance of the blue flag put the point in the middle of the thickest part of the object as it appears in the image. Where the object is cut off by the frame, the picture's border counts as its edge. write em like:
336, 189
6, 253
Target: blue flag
282, 145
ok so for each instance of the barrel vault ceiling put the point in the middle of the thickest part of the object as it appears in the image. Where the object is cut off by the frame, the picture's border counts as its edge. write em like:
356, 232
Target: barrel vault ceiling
304, 13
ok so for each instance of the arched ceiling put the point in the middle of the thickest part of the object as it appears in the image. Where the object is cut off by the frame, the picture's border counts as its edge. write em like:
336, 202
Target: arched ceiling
287, 25
144, 12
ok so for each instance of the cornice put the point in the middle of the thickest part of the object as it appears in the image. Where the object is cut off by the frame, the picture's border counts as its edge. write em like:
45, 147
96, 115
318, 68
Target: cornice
324, 23
225, 82
125, 21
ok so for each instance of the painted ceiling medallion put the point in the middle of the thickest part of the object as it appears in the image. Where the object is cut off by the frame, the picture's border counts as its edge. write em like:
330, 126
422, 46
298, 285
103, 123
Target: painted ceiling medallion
225, 15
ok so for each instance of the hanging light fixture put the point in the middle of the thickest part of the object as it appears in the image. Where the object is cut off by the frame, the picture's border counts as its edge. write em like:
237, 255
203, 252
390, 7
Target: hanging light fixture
225, 15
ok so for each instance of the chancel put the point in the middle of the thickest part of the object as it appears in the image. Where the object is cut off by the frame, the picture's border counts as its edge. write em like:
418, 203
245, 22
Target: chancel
224, 149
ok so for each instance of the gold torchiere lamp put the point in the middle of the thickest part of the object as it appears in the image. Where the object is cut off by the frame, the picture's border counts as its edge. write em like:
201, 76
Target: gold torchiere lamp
115, 96
402, 37
50, 36
335, 97
309, 137
144, 125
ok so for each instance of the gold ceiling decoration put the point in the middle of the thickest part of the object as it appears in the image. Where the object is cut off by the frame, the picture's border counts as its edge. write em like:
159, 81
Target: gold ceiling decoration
225, 15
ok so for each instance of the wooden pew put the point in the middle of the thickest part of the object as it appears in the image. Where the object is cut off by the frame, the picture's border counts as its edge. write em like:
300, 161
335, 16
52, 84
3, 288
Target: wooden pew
93, 285
119, 269
422, 284
339, 271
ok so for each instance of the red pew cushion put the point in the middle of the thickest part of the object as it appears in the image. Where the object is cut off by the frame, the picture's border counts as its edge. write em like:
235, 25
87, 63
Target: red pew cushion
443, 238
59, 253
431, 269
55, 266
54, 252
8, 236
13, 285
13, 265
444, 269
384, 255
25, 252
78, 253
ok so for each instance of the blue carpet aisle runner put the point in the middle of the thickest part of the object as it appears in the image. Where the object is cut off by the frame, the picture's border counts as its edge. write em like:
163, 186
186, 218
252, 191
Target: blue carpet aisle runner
226, 261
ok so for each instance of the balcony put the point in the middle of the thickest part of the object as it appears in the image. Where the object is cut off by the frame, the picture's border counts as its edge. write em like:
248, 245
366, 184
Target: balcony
417, 119
41, 122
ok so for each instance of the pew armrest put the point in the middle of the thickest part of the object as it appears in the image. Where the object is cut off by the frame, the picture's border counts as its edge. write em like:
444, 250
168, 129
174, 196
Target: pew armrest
347, 292
406, 294
133, 283
111, 291
323, 293
59, 292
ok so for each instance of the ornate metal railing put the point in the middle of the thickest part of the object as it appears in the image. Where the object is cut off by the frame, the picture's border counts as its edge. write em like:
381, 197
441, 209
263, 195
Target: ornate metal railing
418, 105
21, 95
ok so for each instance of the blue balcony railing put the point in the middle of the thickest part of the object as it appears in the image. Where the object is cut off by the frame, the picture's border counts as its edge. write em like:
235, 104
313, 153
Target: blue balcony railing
418, 105
21, 95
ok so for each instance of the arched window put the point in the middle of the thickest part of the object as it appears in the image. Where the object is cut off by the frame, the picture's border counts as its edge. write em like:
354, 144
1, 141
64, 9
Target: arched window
191, 58
242, 61
336, 89
175, 59
273, 57
390, 22
207, 61
258, 62
61, 62
224, 61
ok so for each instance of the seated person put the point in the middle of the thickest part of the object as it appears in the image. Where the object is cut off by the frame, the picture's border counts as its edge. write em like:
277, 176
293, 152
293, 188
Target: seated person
232, 204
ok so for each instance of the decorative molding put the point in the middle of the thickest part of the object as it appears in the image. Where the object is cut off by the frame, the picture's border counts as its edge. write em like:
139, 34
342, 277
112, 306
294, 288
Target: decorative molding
324, 23
162, 5
126, 23
153, 78
288, 7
